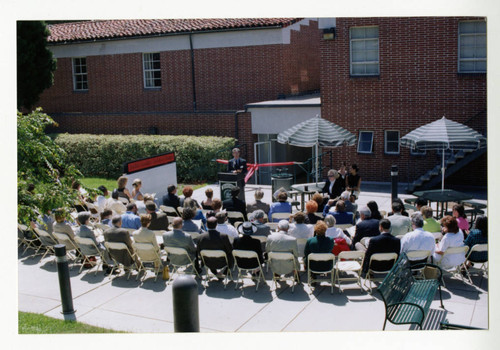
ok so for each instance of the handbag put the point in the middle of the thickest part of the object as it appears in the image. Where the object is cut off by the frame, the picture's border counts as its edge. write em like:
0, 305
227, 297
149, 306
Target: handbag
340, 246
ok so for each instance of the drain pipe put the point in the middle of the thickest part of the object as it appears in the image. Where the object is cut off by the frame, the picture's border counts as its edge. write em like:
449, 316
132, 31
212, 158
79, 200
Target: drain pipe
193, 80
236, 134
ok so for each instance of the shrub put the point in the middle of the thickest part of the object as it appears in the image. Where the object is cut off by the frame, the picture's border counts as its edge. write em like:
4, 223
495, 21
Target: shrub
104, 155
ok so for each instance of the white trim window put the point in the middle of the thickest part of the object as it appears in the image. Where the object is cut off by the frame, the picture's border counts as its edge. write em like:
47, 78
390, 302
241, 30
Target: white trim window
472, 47
365, 142
152, 70
391, 144
364, 45
80, 81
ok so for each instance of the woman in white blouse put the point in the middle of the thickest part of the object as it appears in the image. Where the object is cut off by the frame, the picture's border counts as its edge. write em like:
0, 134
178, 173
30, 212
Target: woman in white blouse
453, 237
335, 232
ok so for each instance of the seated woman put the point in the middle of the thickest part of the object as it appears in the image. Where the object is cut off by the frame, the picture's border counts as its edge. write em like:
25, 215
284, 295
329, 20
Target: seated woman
320, 200
216, 205
459, 214
453, 237
144, 234
319, 244
430, 224
374, 209
335, 232
61, 225
188, 224
106, 217
311, 209
191, 203
188, 192
207, 203
81, 193
353, 181
478, 235
123, 192
136, 191
282, 206
333, 185
342, 217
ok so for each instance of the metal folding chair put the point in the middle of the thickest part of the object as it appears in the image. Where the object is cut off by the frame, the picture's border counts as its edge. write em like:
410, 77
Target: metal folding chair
284, 256
248, 254
205, 253
321, 257
178, 257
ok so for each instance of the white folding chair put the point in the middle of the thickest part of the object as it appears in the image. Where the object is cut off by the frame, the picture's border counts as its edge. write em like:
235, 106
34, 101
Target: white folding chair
284, 257
46, 241
273, 226
321, 257
114, 250
88, 249
301, 244
101, 226
248, 254
178, 257
344, 226
477, 248
437, 236
147, 254
371, 272
118, 208
28, 242
180, 210
237, 224
170, 211
454, 271
124, 200
215, 254
71, 246
418, 255
234, 216
349, 262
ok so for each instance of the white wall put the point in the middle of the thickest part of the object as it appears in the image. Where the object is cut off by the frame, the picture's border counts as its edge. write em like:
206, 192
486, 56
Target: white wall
276, 119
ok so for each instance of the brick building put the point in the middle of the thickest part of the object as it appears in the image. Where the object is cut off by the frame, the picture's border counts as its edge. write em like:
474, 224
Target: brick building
251, 78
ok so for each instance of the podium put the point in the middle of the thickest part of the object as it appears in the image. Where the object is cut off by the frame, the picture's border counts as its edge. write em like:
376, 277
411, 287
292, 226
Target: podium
227, 181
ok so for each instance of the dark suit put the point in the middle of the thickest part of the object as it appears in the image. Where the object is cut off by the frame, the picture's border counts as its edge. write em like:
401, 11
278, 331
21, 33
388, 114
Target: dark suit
237, 164
337, 189
117, 234
246, 242
235, 204
214, 240
159, 221
171, 200
366, 228
383, 243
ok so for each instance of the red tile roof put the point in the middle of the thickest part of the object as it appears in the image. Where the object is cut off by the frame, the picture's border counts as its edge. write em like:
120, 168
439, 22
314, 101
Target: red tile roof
108, 29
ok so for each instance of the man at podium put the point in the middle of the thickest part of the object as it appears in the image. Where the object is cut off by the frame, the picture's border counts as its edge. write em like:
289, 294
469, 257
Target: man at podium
237, 164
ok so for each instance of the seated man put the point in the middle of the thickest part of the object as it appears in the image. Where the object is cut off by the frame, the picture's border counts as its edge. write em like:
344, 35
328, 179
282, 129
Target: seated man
400, 224
234, 203
262, 228
61, 225
117, 234
159, 220
282, 206
282, 242
340, 214
258, 204
179, 239
246, 242
171, 199
223, 226
367, 227
214, 240
383, 243
144, 234
189, 225
418, 239
430, 224
130, 219
333, 185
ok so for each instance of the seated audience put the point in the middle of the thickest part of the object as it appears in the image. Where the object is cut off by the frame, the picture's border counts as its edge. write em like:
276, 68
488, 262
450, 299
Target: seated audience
374, 209
385, 242
478, 235
430, 224
188, 192
298, 227
191, 203
117, 234
216, 205
207, 203
101, 198
459, 214
189, 225
171, 199
367, 227
320, 200
106, 217
214, 240
452, 237
335, 232
282, 242
333, 186
262, 228
223, 226
400, 224
136, 191
234, 203
342, 216
246, 242
418, 239
320, 243
311, 208
258, 204
130, 219
145, 234
282, 206
159, 220
123, 192
179, 239
61, 225
403, 211
419, 203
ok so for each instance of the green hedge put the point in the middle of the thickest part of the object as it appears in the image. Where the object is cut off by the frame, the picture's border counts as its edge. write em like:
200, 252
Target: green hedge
104, 155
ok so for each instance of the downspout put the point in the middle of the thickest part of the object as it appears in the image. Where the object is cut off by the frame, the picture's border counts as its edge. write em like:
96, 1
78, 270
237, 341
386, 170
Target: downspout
193, 80
236, 134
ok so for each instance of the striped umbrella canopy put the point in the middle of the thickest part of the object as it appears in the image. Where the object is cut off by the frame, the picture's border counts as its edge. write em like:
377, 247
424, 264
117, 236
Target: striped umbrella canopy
317, 132
443, 134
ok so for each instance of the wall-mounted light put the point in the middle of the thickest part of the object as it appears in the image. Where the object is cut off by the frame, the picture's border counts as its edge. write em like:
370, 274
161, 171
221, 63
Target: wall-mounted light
329, 33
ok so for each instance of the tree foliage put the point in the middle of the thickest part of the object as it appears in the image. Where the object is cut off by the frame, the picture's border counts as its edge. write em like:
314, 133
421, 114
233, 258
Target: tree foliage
43, 175
35, 63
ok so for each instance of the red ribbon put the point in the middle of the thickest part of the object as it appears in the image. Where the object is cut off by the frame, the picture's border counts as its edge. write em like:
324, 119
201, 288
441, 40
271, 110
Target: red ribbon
252, 167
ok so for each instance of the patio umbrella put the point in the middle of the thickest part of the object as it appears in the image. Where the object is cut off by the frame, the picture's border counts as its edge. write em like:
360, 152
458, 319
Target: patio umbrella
316, 132
443, 134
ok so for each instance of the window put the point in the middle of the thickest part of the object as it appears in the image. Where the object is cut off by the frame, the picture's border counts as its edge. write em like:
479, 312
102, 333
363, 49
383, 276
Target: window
364, 51
472, 47
152, 70
80, 82
391, 142
365, 142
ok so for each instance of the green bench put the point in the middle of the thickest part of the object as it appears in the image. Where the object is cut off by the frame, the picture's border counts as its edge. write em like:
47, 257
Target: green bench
406, 299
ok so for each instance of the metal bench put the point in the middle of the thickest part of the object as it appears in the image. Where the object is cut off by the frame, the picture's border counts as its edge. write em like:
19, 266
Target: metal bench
406, 299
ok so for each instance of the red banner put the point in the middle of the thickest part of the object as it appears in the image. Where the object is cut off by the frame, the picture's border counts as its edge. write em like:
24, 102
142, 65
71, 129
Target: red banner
252, 168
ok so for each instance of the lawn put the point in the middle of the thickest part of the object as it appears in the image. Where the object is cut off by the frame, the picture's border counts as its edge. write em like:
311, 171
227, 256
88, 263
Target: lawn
94, 182
30, 323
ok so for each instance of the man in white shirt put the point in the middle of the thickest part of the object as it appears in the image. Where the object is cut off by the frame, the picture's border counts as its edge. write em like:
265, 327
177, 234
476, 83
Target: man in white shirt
224, 227
418, 239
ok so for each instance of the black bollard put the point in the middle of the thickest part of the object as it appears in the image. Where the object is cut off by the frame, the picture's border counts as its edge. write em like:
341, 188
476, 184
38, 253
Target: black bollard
394, 178
64, 282
185, 299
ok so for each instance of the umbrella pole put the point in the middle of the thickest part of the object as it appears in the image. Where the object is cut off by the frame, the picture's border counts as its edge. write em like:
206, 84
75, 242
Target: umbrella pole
442, 173
317, 163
